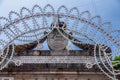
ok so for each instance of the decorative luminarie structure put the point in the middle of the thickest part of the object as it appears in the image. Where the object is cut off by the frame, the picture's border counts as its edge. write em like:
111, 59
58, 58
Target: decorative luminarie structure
78, 27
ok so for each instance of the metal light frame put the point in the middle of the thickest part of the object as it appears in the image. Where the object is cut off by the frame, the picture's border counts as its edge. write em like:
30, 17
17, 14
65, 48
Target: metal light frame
30, 25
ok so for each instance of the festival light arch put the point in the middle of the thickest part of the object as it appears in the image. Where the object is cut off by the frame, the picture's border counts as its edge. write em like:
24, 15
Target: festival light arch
31, 25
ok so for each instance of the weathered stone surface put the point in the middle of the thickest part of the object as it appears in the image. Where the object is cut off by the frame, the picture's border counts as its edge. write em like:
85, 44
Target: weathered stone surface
56, 41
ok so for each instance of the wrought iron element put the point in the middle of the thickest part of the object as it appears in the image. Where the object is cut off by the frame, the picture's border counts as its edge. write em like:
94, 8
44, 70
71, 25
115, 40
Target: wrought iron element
79, 27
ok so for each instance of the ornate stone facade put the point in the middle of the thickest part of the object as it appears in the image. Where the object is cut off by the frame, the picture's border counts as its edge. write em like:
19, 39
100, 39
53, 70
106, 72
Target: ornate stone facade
54, 64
